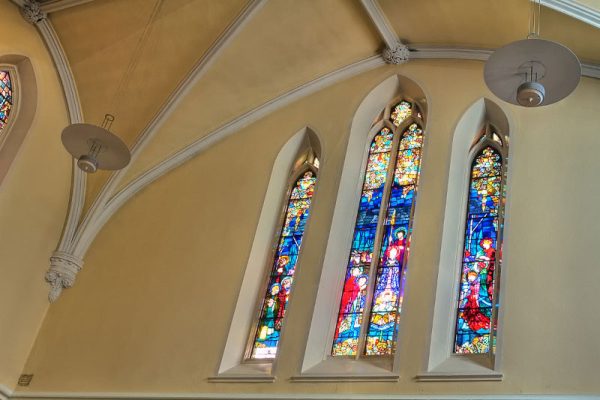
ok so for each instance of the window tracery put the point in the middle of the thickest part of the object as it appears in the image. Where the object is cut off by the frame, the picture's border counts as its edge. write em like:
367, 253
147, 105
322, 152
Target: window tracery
372, 293
476, 313
274, 303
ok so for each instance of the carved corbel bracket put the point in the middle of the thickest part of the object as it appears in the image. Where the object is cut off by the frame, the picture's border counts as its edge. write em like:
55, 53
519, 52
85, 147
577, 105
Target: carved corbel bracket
399, 54
62, 272
32, 11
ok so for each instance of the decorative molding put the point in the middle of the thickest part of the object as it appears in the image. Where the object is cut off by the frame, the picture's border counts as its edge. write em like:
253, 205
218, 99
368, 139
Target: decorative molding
241, 379
61, 275
575, 10
346, 378
398, 54
78, 236
454, 53
457, 53
289, 396
5, 392
431, 377
75, 232
78, 183
106, 205
215, 136
381, 23
57, 5
32, 12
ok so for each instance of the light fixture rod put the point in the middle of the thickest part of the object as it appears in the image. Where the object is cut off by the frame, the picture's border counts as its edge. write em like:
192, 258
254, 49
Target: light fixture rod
108, 120
534, 19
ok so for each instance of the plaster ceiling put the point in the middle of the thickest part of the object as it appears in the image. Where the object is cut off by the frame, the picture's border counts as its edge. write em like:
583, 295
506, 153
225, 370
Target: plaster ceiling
485, 24
285, 44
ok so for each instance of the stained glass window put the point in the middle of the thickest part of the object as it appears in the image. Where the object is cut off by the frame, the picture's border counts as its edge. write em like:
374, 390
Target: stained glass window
476, 298
281, 277
6, 100
395, 152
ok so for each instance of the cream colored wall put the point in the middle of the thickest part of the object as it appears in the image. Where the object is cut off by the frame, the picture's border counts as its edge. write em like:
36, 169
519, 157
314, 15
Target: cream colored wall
150, 311
33, 202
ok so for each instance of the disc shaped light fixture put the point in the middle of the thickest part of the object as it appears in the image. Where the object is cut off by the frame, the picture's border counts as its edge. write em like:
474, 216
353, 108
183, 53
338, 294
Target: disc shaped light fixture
95, 147
532, 72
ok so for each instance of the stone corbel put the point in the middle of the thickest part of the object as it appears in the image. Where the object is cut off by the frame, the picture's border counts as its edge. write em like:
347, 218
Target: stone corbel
399, 54
62, 272
32, 11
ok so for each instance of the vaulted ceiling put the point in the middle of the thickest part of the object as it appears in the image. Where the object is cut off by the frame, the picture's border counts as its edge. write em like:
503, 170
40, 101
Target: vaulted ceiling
285, 44
203, 66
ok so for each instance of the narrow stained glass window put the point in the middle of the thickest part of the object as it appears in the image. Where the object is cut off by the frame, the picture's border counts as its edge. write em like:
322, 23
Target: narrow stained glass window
6, 100
384, 231
281, 276
387, 299
476, 300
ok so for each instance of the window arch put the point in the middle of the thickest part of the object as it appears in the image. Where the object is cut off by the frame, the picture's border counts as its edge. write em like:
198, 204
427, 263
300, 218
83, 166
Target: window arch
6, 98
372, 293
474, 213
289, 241
284, 216
18, 103
476, 312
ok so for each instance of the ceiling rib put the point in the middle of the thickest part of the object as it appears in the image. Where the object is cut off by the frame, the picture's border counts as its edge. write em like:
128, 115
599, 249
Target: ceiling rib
383, 26
50, 6
106, 204
575, 10
238, 123
86, 231
34, 14
57, 5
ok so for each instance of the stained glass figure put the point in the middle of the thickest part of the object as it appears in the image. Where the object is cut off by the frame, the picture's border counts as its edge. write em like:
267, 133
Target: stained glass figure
6, 101
476, 287
347, 331
281, 277
400, 112
390, 240
389, 284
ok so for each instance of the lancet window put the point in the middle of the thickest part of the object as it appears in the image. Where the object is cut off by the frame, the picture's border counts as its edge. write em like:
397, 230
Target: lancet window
371, 300
478, 301
267, 330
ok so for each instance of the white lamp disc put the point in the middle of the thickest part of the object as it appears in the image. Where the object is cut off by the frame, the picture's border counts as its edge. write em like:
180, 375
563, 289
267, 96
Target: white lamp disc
79, 138
558, 69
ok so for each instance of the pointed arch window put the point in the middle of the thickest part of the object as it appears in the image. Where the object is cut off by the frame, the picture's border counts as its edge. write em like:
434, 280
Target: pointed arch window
267, 331
371, 301
6, 98
476, 314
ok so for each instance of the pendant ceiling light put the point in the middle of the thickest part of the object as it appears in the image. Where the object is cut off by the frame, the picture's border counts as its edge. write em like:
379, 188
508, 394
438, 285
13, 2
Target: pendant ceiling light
532, 72
95, 147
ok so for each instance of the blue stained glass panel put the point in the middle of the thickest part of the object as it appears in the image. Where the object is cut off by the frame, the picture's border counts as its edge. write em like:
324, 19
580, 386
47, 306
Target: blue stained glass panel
476, 286
281, 278
388, 293
350, 315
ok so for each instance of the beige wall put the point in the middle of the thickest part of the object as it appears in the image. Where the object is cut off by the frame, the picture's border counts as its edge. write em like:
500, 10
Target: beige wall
33, 202
151, 309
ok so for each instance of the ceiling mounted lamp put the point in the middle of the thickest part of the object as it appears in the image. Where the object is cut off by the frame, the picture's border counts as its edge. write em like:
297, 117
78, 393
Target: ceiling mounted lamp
532, 72
95, 147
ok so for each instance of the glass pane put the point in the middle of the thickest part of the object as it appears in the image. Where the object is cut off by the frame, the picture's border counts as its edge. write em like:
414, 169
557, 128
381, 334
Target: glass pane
400, 112
347, 330
6, 101
476, 286
389, 285
281, 278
